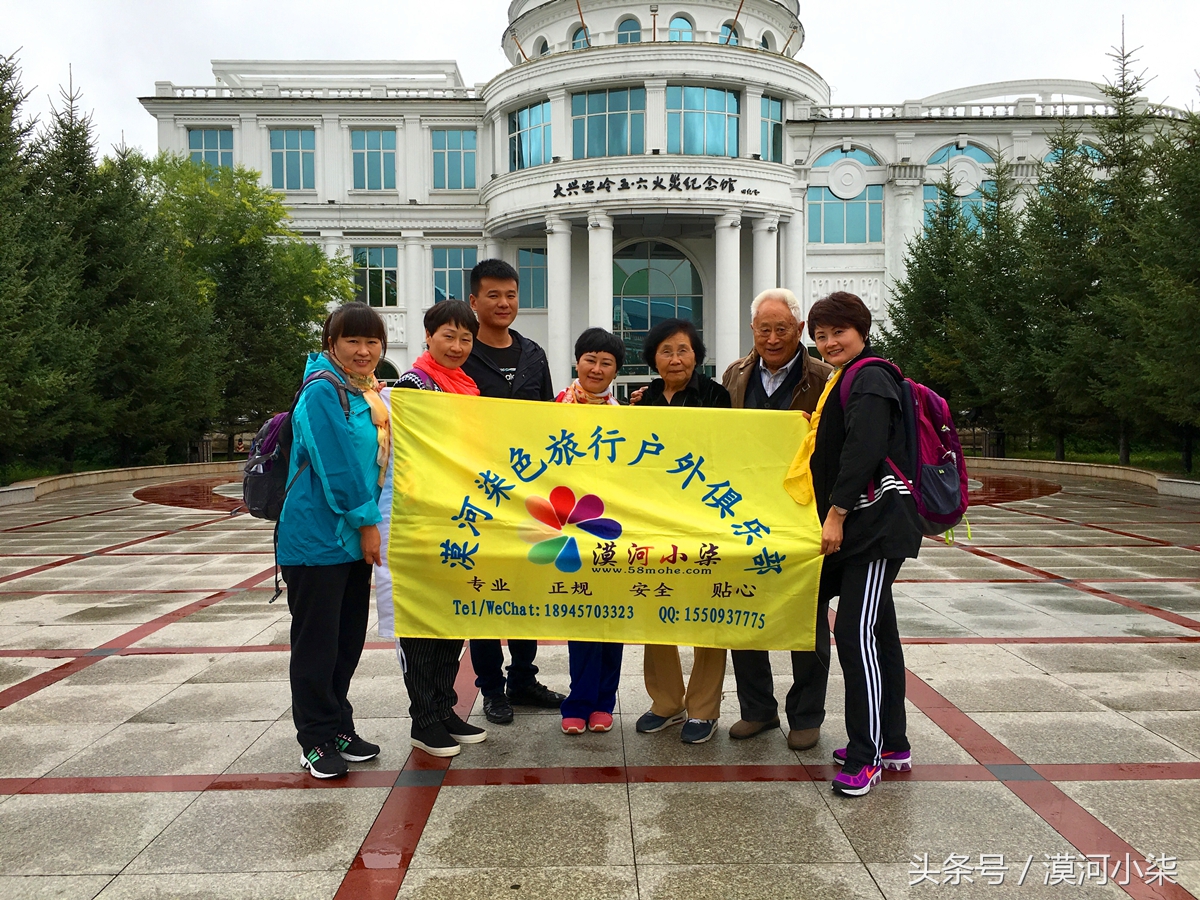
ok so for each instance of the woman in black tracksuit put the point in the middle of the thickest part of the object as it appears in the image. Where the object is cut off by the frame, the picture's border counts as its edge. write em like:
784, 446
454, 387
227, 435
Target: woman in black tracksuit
870, 527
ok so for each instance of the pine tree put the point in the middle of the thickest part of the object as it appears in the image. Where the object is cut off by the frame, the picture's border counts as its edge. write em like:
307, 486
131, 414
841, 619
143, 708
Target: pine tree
926, 300
1106, 337
1060, 231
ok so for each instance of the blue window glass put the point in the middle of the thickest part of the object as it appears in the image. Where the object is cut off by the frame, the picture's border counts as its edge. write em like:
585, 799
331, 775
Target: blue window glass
729, 35
702, 121
211, 145
529, 141
453, 159
580, 39
652, 282
374, 154
452, 272
680, 30
292, 159
948, 153
531, 266
629, 32
835, 221
376, 275
829, 157
608, 123
1093, 155
772, 129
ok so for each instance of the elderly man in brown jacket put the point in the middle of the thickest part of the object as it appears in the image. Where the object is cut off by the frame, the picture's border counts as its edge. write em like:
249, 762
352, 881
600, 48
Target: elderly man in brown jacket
779, 374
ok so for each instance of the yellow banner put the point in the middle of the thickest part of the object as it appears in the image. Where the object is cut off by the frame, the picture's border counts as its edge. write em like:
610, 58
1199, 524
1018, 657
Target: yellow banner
514, 519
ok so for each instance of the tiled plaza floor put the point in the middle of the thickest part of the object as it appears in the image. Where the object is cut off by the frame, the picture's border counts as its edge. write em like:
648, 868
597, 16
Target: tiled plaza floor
148, 750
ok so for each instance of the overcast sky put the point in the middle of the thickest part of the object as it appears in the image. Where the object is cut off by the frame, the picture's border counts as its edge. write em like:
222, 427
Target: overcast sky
870, 51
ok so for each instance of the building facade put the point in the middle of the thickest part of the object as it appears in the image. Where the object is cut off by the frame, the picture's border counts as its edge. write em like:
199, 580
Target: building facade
643, 162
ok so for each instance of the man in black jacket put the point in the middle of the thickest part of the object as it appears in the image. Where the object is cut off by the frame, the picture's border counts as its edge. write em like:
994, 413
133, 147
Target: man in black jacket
505, 364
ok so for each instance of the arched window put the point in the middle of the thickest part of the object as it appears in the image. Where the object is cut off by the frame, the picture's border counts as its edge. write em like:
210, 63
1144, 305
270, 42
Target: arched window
652, 282
729, 35
681, 29
543, 47
766, 41
946, 154
386, 372
829, 157
834, 219
971, 202
629, 32
580, 39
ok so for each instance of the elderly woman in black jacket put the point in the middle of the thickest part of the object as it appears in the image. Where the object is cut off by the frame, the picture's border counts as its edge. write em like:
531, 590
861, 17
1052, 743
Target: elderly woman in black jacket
870, 527
675, 350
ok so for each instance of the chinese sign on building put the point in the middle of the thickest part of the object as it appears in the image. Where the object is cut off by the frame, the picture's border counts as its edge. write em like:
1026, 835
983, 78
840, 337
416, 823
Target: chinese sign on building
553, 521
674, 182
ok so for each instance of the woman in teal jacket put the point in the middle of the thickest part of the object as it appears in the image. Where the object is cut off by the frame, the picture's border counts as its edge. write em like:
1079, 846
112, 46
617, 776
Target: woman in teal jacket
328, 539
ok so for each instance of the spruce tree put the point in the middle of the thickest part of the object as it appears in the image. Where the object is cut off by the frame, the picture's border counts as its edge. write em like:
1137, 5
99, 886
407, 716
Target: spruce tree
1061, 222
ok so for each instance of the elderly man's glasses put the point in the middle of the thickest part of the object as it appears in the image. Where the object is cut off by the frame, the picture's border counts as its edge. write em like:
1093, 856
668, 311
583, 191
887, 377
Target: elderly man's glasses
782, 331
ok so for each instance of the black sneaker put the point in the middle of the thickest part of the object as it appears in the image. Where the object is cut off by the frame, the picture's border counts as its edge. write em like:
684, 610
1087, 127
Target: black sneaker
464, 732
536, 694
352, 748
435, 740
497, 710
649, 723
323, 761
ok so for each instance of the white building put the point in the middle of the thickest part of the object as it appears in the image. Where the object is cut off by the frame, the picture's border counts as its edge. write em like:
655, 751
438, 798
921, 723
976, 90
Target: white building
650, 161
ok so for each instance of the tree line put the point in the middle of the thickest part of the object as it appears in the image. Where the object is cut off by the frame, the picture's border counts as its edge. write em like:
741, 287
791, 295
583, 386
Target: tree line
1071, 310
144, 301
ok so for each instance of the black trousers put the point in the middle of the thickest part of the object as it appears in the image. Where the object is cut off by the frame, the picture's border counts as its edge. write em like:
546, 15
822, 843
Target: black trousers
872, 659
329, 605
430, 667
487, 658
805, 704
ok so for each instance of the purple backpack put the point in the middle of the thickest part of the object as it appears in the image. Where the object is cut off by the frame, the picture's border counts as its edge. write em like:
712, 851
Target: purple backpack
264, 482
938, 482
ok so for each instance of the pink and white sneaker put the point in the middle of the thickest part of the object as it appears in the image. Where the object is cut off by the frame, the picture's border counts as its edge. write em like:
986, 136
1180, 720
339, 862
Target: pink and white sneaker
857, 783
574, 726
893, 760
600, 721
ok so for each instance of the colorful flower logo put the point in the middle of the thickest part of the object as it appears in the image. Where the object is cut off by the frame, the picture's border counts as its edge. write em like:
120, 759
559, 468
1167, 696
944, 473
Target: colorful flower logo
550, 545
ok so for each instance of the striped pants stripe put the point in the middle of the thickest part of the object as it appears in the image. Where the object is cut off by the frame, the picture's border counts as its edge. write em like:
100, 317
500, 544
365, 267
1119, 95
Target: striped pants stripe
430, 667
872, 660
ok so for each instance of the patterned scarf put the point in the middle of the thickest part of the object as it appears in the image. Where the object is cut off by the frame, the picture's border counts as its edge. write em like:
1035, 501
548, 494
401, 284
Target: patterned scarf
577, 393
798, 481
452, 381
370, 387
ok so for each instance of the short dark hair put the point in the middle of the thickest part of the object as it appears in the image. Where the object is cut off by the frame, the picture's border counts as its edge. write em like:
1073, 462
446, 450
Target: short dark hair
664, 330
353, 320
456, 312
597, 340
492, 268
840, 308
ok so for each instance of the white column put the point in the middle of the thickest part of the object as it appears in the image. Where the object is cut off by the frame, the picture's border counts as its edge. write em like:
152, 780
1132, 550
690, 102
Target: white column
600, 270
901, 223
728, 236
766, 254
413, 161
414, 269
656, 114
558, 297
492, 248
752, 121
560, 124
795, 246
499, 144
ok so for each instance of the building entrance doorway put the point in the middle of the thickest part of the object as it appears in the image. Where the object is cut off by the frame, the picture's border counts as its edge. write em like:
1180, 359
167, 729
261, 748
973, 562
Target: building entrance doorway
652, 282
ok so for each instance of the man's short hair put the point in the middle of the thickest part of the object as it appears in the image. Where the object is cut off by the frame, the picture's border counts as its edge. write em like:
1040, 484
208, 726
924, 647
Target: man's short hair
451, 312
492, 268
782, 294
597, 340
664, 330
840, 309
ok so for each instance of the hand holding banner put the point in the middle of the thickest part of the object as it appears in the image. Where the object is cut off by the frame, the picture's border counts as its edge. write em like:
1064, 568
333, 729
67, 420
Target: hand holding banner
511, 519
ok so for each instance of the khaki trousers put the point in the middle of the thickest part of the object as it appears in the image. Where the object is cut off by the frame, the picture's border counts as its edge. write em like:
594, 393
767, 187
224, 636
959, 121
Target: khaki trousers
664, 682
